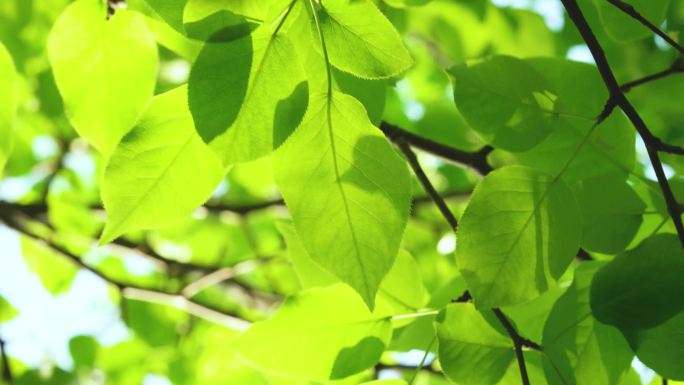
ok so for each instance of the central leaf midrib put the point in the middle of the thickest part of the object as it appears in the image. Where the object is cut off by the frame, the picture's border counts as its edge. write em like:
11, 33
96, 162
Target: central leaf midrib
331, 138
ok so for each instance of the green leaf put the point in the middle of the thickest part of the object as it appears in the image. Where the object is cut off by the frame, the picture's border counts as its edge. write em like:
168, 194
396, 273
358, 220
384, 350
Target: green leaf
160, 172
7, 311
473, 349
642, 287
350, 198
371, 93
577, 348
517, 236
581, 98
402, 287
83, 350
662, 348
55, 273
108, 78
222, 20
169, 11
8, 104
360, 40
154, 323
334, 334
506, 101
310, 274
406, 3
622, 27
267, 97
612, 213
386, 382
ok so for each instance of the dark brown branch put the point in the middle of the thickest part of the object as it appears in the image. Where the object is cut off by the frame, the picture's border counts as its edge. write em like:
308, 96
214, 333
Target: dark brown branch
629, 10
518, 341
517, 344
428, 368
6, 368
676, 68
476, 160
618, 97
425, 182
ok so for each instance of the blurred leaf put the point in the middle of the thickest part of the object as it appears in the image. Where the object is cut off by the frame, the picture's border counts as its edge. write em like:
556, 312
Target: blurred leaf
8, 104
333, 339
7, 311
55, 272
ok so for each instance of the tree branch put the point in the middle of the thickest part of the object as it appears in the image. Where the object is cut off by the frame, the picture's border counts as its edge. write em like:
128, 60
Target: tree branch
476, 160
425, 182
677, 67
517, 344
653, 144
629, 10
208, 312
6, 368
518, 341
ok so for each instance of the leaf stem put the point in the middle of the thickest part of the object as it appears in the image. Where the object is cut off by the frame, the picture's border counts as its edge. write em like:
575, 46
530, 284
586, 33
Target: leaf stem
425, 313
517, 344
422, 361
632, 12
324, 48
287, 12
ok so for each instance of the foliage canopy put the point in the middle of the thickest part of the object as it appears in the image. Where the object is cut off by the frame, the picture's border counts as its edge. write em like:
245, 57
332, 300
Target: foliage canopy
302, 192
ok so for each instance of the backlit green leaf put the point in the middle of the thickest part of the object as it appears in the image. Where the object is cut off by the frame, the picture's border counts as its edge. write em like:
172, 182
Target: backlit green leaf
105, 70
581, 98
662, 348
612, 214
517, 236
360, 39
249, 111
577, 348
505, 100
623, 27
55, 273
473, 348
349, 199
315, 337
7, 311
8, 104
160, 172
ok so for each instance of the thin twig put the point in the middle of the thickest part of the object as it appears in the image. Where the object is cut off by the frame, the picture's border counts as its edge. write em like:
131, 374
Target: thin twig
676, 68
653, 144
631, 11
517, 345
